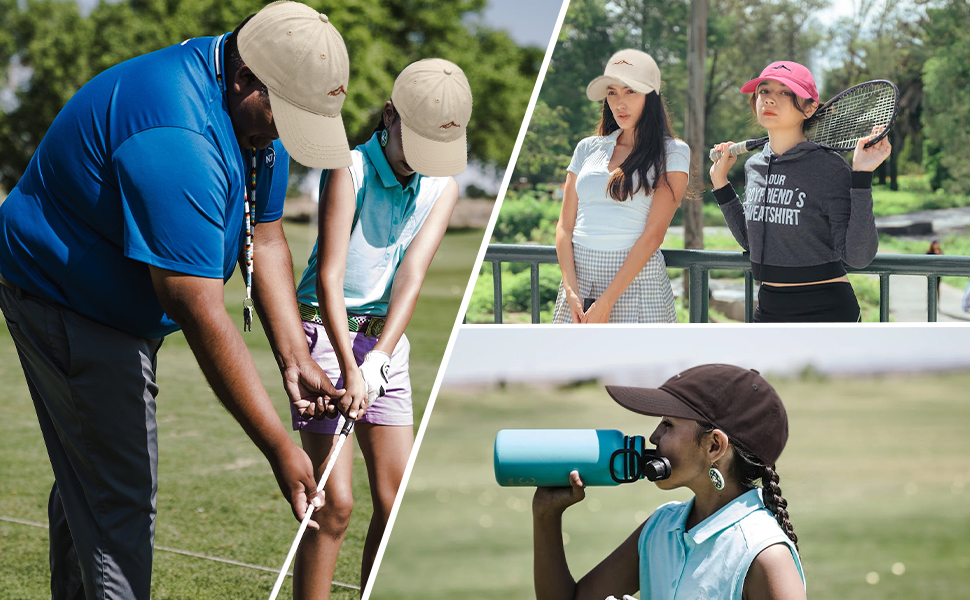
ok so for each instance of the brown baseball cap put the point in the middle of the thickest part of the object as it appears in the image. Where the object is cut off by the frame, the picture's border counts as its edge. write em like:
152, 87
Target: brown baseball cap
737, 401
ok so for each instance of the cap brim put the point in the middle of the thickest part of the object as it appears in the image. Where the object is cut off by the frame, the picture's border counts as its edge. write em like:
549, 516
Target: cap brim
653, 402
432, 158
598, 88
800, 91
315, 141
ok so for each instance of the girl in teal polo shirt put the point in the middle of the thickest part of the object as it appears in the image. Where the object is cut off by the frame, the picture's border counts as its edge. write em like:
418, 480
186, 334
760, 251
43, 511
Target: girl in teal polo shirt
722, 429
381, 222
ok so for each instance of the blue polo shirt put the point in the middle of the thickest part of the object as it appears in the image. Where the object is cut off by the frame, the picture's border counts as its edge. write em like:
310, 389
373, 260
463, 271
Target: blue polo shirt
710, 560
140, 168
387, 218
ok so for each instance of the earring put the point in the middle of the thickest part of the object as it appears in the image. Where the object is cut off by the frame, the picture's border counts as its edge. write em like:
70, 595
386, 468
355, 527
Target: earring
383, 138
716, 478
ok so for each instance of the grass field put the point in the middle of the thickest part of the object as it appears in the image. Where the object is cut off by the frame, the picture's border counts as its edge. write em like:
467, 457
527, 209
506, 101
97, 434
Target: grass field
217, 495
876, 472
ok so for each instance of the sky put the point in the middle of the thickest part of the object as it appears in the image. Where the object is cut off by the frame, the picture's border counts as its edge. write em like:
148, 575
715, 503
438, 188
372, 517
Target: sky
648, 356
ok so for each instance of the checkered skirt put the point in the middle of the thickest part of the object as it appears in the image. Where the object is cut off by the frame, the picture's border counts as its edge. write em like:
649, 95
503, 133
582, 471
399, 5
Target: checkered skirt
648, 299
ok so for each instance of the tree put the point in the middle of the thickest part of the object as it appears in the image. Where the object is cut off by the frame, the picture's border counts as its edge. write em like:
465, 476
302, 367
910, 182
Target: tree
946, 116
547, 148
63, 50
884, 42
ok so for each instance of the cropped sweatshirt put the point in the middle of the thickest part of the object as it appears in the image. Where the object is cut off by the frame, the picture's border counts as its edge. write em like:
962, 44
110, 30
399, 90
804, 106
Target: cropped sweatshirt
804, 214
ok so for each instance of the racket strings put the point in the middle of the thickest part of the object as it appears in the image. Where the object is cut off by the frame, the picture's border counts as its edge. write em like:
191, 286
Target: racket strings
850, 118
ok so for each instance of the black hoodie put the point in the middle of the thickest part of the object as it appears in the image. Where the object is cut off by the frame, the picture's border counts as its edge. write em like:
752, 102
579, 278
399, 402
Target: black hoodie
804, 213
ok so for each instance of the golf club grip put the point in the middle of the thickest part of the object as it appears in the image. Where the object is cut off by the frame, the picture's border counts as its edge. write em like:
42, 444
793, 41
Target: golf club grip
737, 149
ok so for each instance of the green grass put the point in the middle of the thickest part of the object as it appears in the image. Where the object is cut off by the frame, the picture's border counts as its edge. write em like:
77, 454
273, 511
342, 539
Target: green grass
217, 494
876, 472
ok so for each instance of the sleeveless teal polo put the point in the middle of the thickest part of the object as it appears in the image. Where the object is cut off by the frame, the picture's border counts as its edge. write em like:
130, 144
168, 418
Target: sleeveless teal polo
710, 560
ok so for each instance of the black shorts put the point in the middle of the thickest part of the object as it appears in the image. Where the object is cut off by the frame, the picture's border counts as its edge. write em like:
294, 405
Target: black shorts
818, 303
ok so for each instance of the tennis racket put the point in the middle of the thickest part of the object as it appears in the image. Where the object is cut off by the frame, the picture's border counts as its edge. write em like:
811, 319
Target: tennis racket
845, 119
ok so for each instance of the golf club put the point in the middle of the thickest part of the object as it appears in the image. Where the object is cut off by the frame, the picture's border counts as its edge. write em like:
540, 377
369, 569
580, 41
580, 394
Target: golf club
348, 427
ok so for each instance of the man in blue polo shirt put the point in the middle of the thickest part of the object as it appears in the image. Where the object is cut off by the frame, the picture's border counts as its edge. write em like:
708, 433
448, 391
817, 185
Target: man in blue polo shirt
153, 181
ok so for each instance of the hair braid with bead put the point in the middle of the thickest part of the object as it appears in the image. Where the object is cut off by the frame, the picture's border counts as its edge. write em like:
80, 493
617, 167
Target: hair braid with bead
752, 471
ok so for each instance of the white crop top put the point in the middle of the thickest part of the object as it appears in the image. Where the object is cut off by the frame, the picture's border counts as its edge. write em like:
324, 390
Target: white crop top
602, 223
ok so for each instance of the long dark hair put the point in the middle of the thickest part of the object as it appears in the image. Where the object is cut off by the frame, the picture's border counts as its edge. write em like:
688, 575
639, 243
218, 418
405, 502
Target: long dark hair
752, 471
652, 130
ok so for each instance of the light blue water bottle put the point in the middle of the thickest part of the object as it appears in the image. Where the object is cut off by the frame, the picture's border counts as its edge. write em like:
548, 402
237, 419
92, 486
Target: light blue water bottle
545, 457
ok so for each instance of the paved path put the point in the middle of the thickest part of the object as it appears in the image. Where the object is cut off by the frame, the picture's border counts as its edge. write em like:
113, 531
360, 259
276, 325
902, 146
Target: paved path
947, 219
907, 301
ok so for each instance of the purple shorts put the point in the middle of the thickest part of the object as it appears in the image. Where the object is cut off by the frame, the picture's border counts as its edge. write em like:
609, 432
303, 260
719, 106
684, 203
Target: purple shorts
393, 408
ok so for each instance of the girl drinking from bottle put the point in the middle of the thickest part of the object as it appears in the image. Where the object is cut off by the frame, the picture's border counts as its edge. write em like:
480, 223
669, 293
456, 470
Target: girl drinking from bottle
623, 187
805, 212
722, 429
381, 222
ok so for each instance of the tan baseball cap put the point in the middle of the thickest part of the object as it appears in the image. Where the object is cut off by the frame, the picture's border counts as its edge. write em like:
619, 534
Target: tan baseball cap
435, 103
629, 68
301, 58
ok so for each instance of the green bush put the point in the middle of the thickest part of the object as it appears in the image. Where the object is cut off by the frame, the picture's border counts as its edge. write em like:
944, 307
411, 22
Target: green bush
526, 217
516, 294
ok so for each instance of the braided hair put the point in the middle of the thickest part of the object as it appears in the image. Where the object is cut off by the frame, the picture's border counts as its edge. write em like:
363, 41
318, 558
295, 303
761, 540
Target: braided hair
751, 471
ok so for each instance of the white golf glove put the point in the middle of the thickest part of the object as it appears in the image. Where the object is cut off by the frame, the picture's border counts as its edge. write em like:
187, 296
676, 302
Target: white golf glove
625, 597
374, 370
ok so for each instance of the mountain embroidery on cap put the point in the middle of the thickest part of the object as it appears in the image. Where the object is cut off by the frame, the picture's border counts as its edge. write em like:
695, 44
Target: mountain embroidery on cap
622, 62
449, 125
338, 91
782, 67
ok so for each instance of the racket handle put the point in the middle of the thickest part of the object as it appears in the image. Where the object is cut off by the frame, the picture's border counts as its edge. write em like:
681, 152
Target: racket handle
734, 149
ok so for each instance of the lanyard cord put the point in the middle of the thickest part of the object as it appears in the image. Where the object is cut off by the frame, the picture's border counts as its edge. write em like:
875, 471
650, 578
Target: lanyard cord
249, 207
250, 226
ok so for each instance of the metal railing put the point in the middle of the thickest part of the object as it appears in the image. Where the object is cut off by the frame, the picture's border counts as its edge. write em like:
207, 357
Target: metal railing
699, 264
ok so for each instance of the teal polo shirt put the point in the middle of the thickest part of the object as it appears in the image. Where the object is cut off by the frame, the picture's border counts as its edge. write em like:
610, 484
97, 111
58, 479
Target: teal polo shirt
387, 218
710, 560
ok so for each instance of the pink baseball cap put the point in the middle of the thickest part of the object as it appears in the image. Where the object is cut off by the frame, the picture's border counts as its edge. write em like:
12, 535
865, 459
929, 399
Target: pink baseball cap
792, 74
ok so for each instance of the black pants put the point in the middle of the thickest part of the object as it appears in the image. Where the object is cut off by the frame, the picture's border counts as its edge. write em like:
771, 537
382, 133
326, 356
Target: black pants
94, 391
819, 303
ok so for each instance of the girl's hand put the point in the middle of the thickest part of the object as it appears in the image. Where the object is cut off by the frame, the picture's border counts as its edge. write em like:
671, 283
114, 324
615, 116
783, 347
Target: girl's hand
867, 159
599, 312
721, 166
552, 501
353, 403
575, 305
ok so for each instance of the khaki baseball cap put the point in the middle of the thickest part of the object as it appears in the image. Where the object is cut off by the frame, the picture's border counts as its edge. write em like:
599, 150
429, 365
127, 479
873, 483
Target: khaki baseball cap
435, 103
628, 68
737, 401
301, 58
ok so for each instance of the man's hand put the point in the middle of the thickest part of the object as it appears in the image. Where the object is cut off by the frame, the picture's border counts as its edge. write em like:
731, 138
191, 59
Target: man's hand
375, 370
311, 391
294, 474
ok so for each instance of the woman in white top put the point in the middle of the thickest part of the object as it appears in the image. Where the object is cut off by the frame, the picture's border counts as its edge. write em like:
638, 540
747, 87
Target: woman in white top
623, 187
